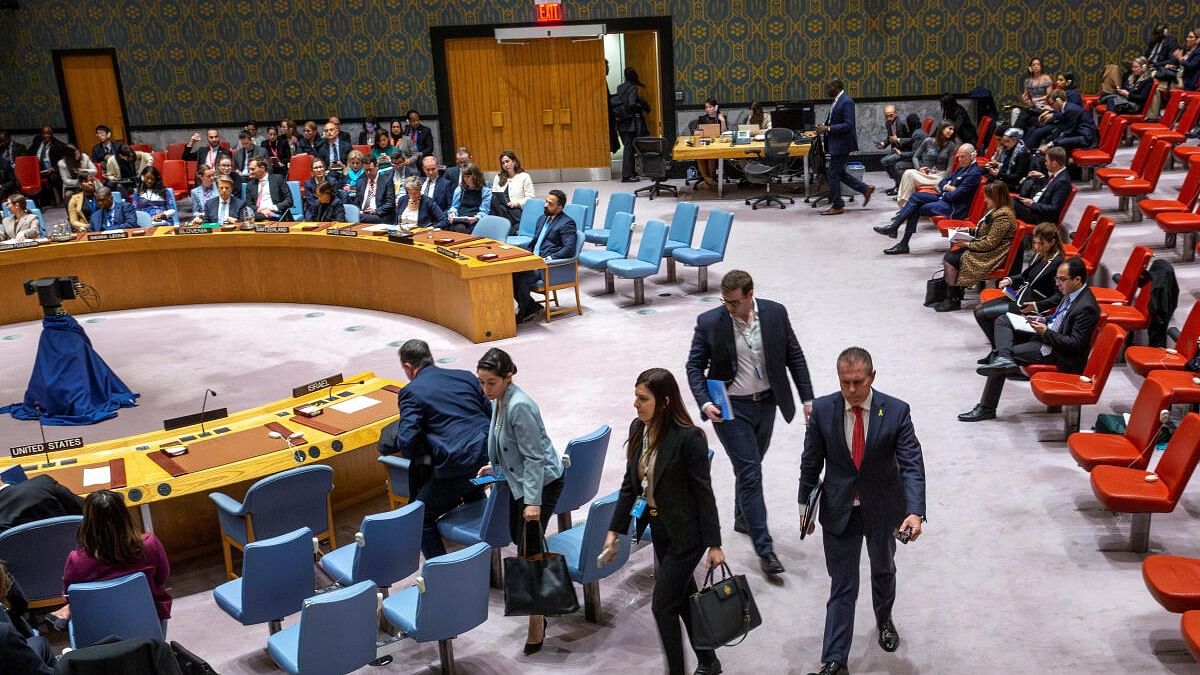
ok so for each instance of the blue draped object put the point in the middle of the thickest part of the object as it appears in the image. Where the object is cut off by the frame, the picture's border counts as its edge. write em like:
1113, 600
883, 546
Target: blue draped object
70, 382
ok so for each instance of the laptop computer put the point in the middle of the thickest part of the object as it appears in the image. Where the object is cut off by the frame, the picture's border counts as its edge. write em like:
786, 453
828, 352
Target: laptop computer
752, 128
709, 130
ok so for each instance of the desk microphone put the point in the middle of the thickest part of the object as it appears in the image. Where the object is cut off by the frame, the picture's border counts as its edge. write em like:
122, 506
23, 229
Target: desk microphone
289, 438
203, 408
330, 398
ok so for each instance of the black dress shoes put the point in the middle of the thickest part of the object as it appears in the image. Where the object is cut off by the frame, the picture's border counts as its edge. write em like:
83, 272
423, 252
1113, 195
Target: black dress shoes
739, 526
770, 564
889, 639
978, 414
898, 249
987, 359
888, 230
891, 192
713, 668
629, 180
997, 366
832, 668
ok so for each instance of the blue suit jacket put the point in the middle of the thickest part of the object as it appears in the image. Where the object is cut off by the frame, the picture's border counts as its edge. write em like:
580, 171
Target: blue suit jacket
444, 414
214, 205
385, 196
123, 215
842, 137
891, 481
1049, 205
560, 240
714, 355
965, 181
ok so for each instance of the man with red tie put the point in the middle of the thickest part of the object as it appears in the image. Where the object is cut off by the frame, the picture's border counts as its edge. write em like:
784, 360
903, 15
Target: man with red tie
873, 490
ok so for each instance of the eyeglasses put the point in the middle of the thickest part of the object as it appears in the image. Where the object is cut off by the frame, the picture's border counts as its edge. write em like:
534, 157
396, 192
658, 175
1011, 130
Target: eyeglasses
1062, 278
733, 303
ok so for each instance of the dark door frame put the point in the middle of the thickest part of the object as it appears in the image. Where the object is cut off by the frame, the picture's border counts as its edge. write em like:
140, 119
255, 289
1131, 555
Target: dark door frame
438, 35
56, 55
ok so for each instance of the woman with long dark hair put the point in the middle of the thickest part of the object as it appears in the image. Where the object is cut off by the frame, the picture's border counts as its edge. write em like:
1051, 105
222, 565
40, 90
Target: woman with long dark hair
667, 486
152, 196
510, 189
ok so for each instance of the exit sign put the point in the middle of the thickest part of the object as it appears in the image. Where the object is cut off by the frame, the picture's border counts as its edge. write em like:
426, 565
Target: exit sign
549, 12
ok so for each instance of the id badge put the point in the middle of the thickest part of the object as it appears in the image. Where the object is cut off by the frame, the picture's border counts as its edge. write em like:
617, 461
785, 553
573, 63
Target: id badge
639, 507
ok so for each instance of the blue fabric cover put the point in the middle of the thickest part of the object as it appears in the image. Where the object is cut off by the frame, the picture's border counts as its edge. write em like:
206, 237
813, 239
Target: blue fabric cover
71, 383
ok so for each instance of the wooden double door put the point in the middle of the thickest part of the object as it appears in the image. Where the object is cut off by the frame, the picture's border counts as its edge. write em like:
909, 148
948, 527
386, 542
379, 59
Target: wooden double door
544, 99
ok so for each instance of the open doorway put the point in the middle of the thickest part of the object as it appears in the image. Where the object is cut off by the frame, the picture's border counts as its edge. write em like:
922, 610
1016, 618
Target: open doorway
638, 49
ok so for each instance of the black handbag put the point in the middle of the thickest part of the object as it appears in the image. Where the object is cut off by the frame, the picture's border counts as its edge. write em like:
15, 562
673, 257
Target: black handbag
723, 611
538, 584
935, 288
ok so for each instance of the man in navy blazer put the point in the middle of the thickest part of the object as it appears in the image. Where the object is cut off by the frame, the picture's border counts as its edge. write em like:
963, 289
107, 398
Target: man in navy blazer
841, 139
1066, 125
874, 487
1046, 204
333, 149
226, 207
377, 205
442, 430
420, 135
275, 202
558, 243
749, 345
952, 200
110, 216
433, 185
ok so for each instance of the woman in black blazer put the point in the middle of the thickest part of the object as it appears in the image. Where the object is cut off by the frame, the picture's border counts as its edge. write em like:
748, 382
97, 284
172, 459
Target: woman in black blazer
279, 152
412, 210
1034, 287
667, 474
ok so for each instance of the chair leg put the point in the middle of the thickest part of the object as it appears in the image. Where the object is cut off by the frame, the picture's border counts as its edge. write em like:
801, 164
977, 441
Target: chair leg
564, 521
639, 291
671, 269
1135, 211
1139, 533
1189, 247
497, 569
609, 286
1070, 419
226, 550
275, 625
702, 278
578, 300
446, 654
591, 601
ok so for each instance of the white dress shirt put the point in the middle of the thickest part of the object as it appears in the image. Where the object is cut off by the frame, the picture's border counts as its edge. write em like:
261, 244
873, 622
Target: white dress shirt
751, 376
848, 420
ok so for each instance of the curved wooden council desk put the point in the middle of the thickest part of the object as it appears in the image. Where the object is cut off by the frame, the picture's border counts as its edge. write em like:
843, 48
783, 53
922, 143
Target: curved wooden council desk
471, 297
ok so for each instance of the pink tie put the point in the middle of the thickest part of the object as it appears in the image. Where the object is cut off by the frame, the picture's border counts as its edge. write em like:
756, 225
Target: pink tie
262, 188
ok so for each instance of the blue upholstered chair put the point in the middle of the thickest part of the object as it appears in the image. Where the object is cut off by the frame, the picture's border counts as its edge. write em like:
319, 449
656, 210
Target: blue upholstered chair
397, 480
450, 598
683, 227
353, 215
647, 262
143, 219
35, 554
386, 548
617, 248
588, 198
580, 546
485, 520
581, 479
122, 606
712, 246
277, 577
336, 633
297, 203
527, 229
562, 274
579, 214
618, 202
275, 505
492, 227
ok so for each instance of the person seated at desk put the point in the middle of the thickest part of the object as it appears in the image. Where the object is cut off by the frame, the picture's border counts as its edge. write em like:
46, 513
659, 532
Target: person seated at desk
279, 152
557, 243
267, 193
153, 197
210, 154
511, 187
319, 175
1046, 204
309, 140
206, 187
351, 176
325, 207
1063, 339
712, 115
472, 199
443, 431
433, 186
110, 216
247, 151
20, 224
82, 204
757, 116
38, 498
970, 264
22, 650
334, 150
376, 194
225, 208
413, 209
931, 160
125, 167
225, 168
1065, 125
952, 199
382, 145
1010, 164
73, 167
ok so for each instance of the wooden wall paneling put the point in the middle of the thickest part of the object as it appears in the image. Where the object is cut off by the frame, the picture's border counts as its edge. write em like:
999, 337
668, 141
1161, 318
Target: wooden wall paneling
641, 54
476, 92
583, 112
91, 87
530, 84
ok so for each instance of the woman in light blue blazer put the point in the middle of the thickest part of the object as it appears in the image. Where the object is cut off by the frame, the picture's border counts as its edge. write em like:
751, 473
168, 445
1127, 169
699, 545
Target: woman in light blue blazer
519, 447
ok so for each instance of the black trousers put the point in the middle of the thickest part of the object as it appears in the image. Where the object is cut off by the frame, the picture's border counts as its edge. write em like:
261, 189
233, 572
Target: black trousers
842, 555
1024, 354
440, 495
501, 208
674, 582
526, 535
628, 155
989, 313
523, 284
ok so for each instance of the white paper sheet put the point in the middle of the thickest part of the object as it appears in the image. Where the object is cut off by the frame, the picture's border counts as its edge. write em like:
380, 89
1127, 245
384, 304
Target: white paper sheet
1019, 323
353, 405
97, 476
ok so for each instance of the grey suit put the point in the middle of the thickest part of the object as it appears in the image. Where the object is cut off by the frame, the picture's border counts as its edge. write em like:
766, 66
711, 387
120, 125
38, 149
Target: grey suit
19, 230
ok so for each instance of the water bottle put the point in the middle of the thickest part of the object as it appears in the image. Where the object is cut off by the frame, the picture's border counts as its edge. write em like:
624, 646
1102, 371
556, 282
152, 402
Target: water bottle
247, 218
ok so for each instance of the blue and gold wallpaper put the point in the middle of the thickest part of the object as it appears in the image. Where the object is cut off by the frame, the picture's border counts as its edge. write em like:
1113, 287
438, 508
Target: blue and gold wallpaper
185, 62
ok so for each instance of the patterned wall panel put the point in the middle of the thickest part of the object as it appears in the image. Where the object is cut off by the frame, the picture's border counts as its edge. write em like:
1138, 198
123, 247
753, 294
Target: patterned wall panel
184, 62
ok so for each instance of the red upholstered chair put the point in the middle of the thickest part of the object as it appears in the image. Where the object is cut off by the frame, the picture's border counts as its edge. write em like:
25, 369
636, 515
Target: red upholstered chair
1136, 445
1142, 360
225, 145
189, 172
1083, 232
1126, 490
1134, 118
176, 150
142, 147
364, 149
1089, 159
29, 175
159, 157
1189, 627
983, 128
974, 213
174, 175
1131, 317
300, 168
1019, 235
1174, 581
1136, 165
1138, 261
1186, 223
1133, 190
1072, 391
1184, 200
927, 125
1089, 100
1170, 113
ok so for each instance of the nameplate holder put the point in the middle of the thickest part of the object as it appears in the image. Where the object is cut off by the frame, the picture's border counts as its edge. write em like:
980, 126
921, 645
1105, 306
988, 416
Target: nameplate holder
449, 253
193, 230
49, 446
400, 238
19, 244
341, 232
323, 383
101, 236
273, 229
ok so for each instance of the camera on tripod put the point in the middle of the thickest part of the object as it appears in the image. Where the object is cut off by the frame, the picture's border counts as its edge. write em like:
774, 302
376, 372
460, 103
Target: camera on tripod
51, 292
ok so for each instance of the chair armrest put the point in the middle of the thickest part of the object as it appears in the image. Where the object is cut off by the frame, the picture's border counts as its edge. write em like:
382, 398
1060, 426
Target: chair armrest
1173, 333
395, 462
559, 262
227, 504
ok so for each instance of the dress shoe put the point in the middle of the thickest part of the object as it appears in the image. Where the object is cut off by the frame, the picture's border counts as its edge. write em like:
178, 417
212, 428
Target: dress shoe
629, 180
528, 313
770, 564
832, 668
535, 647
987, 359
867, 195
978, 414
997, 366
889, 230
711, 668
898, 249
889, 639
831, 211
739, 526
891, 192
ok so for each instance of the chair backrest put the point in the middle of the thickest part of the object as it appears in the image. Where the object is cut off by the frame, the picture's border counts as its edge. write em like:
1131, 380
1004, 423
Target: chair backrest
595, 530
158, 157
683, 223
1190, 113
585, 197
277, 576
297, 202
776, 144
174, 174
142, 147
364, 149
652, 153
1062, 213
390, 547
1087, 224
1105, 349
1138, 163
1191, 182
1141, 299
1014, 250
35, 554
492, 227
1178, 461
577, 213
619, 202
927, 125
353, 215
1139, 260
122, 606
1117, 129
144, 219
581, 480
494, 530
983, 128
189, 172
27, 171
337, 630
1144, 419
456, 593
975, 210
1171, 110
176, 150
654, 240
1185, 344
620, 235
1093, 250
290, 500
1155, 163
716, 231
533, 209
300, 167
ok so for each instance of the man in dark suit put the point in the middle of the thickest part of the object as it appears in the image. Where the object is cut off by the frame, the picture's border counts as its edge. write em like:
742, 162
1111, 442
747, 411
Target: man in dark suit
268, 193
209, 154
434, 187
421, 135
105, 147
1064, 339
1065, 125
462, 157
333, 149
1011, 161
952, 200
376, 194
559, 242
1046, 204
874, 489
38, 498
749, 345
30, 655
247, 150
443, 430
10, 149
226, 207
110, 216
343, 135
841, 139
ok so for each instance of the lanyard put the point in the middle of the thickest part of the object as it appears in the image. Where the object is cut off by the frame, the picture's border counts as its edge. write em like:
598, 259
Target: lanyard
646, 459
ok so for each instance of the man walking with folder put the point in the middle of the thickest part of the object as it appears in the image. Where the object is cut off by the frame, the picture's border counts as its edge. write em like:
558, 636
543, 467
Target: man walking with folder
748, 347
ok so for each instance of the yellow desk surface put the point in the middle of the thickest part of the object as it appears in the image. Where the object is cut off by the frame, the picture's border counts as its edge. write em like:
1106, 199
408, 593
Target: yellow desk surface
723, 148
471, 297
